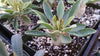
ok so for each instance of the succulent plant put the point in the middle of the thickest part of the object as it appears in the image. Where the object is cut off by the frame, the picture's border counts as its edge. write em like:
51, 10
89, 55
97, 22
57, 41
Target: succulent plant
17, 45
57, 26
17, 10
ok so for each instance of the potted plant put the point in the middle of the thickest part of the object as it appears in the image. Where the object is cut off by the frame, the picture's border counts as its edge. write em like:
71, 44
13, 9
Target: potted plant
56, 26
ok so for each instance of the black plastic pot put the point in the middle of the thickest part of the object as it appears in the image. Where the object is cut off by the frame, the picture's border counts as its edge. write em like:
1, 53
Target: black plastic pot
6, 34
92, 43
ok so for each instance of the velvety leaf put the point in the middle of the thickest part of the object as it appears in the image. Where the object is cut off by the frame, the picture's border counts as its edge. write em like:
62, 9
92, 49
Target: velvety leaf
15, 23
40, 53
41, 16
91, 1
26, 4
79, 27
3, 51
26, 19
15, 13
71, 1
5, 8
10, 2
35, 33
74, 8
47, 10
33, 6
9, 11
26, 0
66, 39
48, 26
6, 16
68, 29
83, 32
66, 15
69, 21
17, 44
60, 9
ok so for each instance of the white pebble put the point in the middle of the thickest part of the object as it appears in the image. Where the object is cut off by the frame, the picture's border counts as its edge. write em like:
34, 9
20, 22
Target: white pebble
65, 55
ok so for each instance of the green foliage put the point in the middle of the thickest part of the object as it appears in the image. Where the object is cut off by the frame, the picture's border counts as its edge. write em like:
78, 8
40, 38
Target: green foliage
16, 11
3, 51
58, 25
35, 33
17, 44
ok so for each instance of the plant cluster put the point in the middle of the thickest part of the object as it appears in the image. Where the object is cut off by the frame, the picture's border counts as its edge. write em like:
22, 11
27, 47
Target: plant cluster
15, 11
58, 25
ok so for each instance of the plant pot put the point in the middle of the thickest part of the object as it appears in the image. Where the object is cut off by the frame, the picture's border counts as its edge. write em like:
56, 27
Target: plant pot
7, 37
94, 44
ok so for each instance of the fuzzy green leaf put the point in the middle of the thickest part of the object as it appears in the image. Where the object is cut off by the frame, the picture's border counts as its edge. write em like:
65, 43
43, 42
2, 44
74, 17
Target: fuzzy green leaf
66, 39
9, 11
35, 33
69, 21
16, 13
26, 5
68, 29
74, 8
17, 44
60, 9
83, 32
15, 23
79, 27
48, 26
6, 16
33, 6
40, 53
26, 19
71, 1
47, 10
3, 51
65, 17
41, 16
91, 1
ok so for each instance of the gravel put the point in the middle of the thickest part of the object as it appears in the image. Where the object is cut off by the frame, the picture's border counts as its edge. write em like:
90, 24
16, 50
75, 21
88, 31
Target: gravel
71, 49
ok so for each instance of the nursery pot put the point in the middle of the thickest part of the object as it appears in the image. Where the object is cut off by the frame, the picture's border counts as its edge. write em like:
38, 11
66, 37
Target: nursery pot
6, 35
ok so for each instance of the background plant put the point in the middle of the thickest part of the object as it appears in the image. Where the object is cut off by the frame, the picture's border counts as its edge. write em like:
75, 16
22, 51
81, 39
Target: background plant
57, 25
17, 10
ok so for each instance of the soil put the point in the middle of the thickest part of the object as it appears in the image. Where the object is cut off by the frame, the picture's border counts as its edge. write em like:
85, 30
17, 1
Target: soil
90, 18
71, 49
